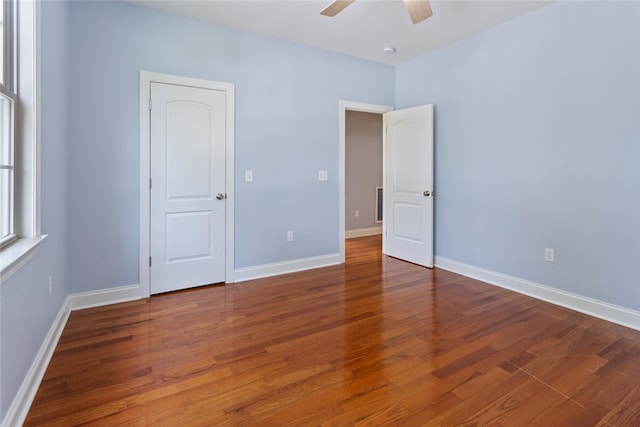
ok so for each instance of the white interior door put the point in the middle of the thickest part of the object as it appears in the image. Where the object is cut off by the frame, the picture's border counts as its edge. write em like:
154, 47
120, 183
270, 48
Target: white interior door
187, 202
408, 188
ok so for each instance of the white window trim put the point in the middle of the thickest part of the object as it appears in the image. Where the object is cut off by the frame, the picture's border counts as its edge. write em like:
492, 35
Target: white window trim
27, 197
14, 256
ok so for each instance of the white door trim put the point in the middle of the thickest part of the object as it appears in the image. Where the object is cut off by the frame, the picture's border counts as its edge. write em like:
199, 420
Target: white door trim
145, 88
351, 106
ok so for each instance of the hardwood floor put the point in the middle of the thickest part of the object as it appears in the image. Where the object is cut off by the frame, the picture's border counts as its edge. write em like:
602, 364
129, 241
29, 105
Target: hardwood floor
376, 341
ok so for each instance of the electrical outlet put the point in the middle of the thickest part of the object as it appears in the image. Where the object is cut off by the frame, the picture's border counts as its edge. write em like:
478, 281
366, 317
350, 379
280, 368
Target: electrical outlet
357, 213
323, 175
549, 255
289, 236
248, 176
50, 285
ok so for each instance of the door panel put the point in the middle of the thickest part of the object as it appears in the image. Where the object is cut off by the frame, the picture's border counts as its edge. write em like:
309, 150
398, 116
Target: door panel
193, 224
408, 206
187, 171
405, 215
189, 155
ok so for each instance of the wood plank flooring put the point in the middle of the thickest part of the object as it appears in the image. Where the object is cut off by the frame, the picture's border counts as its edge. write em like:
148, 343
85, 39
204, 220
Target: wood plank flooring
375, 341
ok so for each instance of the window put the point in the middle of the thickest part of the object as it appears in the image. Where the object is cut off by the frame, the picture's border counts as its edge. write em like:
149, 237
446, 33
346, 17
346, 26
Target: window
19, 135
8, 98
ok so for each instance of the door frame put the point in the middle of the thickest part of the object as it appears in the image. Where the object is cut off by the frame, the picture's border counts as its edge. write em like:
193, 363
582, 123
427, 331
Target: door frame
146, 78
344, 107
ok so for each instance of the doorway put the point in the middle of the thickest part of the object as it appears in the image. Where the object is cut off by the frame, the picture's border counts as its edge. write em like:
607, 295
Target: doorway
186, 222
352, 107
407, 227
363, 174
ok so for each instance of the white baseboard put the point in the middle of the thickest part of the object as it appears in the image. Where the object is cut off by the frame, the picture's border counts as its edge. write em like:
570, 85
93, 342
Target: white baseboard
362, 232
104, 297
27, 392
267, 270
24, 398
596, 308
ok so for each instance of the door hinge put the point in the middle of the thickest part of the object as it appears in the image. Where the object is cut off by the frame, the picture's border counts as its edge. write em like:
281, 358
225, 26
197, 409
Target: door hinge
150, 104
149, 261
150, 183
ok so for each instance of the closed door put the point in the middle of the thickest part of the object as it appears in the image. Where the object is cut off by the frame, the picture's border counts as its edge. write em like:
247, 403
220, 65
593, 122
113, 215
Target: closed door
408, 190
187, 205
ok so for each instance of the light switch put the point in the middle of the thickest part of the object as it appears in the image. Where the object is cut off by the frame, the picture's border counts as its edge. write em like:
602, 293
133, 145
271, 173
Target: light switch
248, 176
323, 175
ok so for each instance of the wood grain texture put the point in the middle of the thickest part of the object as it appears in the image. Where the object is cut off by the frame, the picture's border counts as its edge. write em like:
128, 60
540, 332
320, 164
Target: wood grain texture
336, 7
419, 10
375, 341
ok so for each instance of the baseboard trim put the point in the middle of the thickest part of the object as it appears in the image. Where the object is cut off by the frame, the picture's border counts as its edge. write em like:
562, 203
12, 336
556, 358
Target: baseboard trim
362, 232
596, 308
19, 408
267, 270
104, 297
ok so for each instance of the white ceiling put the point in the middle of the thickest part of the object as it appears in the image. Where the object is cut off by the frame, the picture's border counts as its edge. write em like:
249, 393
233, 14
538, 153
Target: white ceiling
362, 30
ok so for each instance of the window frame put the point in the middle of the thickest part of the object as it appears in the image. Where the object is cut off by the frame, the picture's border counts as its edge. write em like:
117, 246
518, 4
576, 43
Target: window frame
9, 93
8, 28
8, 166
26, 119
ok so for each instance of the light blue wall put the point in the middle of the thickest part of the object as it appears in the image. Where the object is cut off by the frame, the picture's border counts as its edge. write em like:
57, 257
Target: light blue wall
538, 145
286, 130
27, 311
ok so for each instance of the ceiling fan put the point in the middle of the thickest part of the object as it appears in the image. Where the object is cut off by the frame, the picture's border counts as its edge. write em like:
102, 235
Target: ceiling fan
419, 10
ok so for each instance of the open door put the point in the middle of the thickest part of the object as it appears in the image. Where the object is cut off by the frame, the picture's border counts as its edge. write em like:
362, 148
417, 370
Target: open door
408, 185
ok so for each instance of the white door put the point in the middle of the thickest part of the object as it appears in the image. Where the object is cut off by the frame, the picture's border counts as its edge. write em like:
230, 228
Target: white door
187, 220
408, 187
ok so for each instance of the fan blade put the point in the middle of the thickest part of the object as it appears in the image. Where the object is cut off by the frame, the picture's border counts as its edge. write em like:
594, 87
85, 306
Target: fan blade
334, 8
419, 10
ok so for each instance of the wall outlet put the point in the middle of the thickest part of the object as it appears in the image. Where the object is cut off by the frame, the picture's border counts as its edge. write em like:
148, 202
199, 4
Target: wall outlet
323, 175
549, 255
50, 285
357, 213
248, 176
289, 236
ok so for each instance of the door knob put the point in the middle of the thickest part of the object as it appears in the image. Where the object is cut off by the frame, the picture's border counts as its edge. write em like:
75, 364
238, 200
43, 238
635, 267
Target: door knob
220, 196
426, 193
